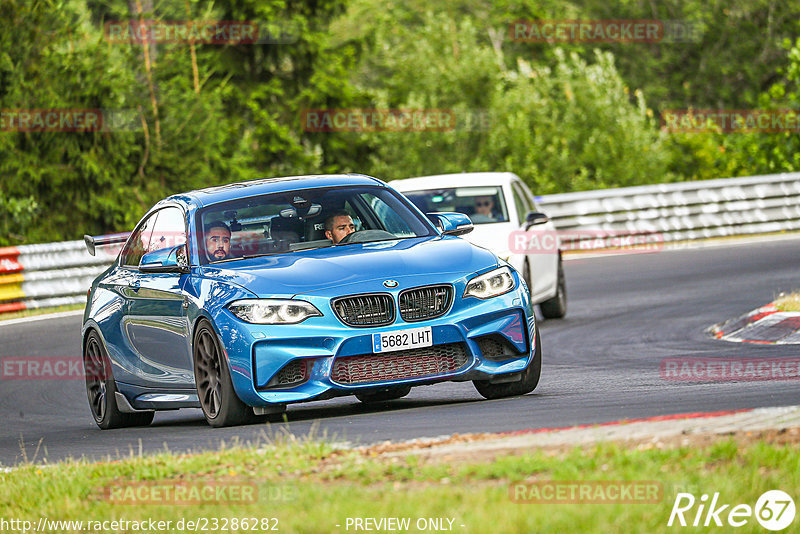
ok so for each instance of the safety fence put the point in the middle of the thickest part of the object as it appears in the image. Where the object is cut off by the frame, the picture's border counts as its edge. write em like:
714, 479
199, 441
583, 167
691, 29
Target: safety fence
48, 274
683, 210
53, 274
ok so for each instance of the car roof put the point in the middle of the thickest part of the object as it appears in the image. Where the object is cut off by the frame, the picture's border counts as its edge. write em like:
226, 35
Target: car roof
463, 179
263, 186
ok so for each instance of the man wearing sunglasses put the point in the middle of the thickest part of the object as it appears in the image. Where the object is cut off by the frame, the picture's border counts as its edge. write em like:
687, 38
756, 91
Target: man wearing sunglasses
485, 206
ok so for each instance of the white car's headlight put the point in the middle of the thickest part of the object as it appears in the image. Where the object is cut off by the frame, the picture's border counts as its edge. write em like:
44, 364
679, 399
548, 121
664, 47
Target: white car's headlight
491, 284
273, 311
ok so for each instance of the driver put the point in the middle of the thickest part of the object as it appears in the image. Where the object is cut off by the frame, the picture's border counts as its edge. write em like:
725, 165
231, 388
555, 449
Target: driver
338, 225
218, 241
484, 205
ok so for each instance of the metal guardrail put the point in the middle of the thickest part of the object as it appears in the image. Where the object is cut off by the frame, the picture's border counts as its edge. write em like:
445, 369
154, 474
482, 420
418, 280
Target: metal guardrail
53, 274
683, 210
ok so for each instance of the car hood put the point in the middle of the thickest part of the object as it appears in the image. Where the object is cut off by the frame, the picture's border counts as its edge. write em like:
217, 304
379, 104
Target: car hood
493, 236
344, 268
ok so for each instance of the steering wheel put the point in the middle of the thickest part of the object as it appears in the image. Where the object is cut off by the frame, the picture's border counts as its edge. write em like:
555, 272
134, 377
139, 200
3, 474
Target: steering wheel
367, 235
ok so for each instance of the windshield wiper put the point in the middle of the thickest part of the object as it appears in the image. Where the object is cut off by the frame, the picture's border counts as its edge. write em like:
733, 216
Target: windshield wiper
397, 238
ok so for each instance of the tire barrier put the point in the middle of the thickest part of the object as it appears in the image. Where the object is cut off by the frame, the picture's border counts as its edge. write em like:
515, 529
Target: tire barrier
48, 274
54, 274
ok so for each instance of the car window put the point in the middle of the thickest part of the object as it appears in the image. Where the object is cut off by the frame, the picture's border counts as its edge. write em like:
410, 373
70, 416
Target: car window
520, 202
483, 204
292, 221
528, 195
139, 243
391, 221
169, 230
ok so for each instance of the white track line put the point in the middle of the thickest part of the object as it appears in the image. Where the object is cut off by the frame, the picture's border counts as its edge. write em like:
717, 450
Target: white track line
42, 317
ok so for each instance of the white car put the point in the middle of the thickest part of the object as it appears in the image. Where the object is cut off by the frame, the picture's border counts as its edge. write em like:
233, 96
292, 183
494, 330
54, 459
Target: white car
501, 208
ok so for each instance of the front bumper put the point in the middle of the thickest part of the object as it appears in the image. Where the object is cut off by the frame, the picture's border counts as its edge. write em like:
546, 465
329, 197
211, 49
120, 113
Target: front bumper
257, 353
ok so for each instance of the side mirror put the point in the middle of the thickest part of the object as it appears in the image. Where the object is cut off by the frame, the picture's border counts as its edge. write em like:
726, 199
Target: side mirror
166, 260
451, 223
533, 218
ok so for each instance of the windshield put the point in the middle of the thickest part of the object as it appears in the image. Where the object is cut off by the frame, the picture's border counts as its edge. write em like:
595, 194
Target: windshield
483, 204
305, 219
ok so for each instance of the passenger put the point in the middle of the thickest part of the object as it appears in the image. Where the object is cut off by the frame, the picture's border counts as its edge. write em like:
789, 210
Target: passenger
218, 241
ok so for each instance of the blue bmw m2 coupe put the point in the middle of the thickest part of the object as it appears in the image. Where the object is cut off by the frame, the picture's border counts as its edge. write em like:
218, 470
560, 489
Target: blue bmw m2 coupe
244, 298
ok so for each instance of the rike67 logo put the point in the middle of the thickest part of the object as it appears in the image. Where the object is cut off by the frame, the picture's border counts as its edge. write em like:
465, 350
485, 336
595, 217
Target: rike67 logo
774, 510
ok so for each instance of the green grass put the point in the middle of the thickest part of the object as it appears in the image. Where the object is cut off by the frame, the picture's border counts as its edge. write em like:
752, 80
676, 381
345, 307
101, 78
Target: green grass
40, 311
788, 302
311, 487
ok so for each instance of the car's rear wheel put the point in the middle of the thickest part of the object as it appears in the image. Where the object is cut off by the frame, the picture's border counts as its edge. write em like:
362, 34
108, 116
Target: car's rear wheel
220, 404
526, 384
388, 394
556, 307
102, 390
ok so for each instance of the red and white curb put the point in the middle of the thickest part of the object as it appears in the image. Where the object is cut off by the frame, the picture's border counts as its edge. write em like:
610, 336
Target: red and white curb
765, 325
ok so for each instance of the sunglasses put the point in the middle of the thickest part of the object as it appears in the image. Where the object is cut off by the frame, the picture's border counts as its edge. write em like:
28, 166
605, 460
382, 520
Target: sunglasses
483, 203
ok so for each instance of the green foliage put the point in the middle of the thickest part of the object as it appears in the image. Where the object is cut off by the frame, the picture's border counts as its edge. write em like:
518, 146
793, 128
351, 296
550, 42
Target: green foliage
238, 123
763, 153
44, 65
565, 125
17, 215
564, 117
573, 127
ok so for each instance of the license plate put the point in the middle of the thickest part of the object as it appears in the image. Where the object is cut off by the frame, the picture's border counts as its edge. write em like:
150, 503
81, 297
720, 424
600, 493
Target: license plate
402, 339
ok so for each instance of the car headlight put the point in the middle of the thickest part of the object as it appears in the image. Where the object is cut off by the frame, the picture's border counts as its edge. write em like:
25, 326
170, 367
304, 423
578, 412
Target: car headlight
273, 311
491, 284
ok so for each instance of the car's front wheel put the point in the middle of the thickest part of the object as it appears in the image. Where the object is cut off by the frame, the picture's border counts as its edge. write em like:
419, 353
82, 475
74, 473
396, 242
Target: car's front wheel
220, 404
102, 390
556, 307
526, 384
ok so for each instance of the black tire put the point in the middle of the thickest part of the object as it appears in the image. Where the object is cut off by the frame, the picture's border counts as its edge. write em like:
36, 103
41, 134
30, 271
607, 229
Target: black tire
393, 393
101, 389
526, 275
220, 404
528, 382
556, 307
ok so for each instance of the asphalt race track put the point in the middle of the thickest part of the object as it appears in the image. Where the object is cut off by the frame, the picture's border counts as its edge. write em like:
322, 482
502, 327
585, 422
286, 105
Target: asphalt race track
626, 313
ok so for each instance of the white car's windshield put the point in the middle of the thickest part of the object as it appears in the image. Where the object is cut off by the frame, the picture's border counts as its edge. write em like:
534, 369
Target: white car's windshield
483, 204
304, 219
